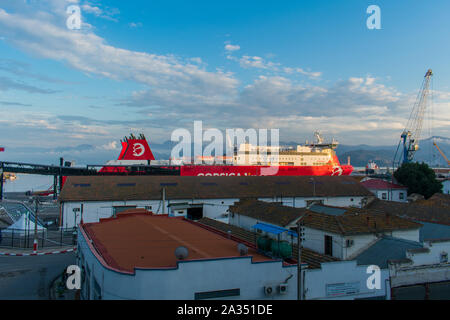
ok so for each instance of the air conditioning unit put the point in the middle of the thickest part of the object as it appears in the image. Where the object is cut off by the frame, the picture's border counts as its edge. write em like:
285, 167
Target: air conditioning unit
283, 288
268, 290
349, 243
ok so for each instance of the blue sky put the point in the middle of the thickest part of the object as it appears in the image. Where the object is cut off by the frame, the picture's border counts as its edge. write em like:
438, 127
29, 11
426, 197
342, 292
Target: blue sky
154, 66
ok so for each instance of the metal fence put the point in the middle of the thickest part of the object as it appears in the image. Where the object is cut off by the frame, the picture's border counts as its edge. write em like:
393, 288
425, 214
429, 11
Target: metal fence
16, 238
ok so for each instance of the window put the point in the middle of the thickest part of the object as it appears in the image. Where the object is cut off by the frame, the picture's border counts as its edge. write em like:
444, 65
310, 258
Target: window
444, 257
384, 196
401, 196
329, 245
311, 202
118, 209
217, 294
126, 184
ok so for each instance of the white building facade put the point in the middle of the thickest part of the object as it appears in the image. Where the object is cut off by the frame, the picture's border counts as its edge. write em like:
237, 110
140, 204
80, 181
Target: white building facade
224, 278
212, 208
424, 274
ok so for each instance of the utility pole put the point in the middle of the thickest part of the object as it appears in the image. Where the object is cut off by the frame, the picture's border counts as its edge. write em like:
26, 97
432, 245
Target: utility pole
35, 242
300, 234
164, 200
1, 182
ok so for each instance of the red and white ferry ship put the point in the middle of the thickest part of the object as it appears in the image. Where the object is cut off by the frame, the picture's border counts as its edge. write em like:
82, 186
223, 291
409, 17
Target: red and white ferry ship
313, 159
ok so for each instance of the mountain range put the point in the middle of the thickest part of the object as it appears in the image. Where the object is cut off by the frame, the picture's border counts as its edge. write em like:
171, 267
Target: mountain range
359, 154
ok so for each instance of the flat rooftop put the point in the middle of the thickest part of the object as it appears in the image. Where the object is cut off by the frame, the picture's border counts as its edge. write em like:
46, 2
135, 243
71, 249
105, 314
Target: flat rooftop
143, 240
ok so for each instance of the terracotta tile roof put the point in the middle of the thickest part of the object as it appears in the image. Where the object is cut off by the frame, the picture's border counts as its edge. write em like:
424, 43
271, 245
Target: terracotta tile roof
107, 188
354, 221
359, 223
435, 209
379, 184
142, 240
312, 258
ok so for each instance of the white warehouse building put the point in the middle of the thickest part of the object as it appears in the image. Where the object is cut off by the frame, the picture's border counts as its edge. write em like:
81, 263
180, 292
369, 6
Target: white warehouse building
94, 197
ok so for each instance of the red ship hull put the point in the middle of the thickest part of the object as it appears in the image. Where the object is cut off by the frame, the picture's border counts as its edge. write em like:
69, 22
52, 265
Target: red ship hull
214, 170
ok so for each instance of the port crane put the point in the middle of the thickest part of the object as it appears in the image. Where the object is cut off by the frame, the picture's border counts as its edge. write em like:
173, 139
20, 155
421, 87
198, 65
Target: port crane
411, 134
442, 153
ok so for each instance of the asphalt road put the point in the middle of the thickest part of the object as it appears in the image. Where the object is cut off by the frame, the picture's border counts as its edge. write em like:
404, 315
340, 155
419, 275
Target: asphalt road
29, 277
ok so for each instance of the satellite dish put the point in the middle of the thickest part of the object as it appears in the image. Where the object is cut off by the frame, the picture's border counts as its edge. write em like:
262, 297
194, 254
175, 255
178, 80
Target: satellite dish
181, 253
242, 249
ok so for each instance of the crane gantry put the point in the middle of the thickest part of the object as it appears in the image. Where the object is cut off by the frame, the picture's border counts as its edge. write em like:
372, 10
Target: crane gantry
411, 134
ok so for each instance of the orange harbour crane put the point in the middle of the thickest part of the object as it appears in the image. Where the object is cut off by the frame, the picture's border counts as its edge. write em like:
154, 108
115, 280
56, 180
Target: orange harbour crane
442, 153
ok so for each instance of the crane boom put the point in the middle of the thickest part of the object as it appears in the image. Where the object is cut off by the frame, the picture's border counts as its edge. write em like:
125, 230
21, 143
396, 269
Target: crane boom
442, 153
411, 134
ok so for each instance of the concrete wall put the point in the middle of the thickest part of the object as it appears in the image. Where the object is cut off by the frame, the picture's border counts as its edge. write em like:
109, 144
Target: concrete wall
446, 187
424, 267
391, 194
190, 277
315, 240
412, 234
301, 202
337, 274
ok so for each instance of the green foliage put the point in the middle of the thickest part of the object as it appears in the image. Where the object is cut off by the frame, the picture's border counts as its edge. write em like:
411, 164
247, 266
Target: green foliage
419, 178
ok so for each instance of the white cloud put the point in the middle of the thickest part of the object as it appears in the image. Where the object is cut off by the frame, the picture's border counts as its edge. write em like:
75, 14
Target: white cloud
110, 146
289, 70
256, 62
230, 47
91, 9
90, 53
135, 24
176, 91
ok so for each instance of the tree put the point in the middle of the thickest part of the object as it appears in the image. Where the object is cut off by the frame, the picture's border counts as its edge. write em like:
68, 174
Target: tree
419, 178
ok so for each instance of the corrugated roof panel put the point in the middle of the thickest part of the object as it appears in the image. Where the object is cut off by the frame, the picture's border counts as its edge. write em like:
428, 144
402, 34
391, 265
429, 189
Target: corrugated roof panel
269, 228
327, 210
386, 249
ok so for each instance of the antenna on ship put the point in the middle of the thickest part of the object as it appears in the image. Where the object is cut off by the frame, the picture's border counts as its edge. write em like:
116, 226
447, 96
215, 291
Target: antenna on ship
318, 137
